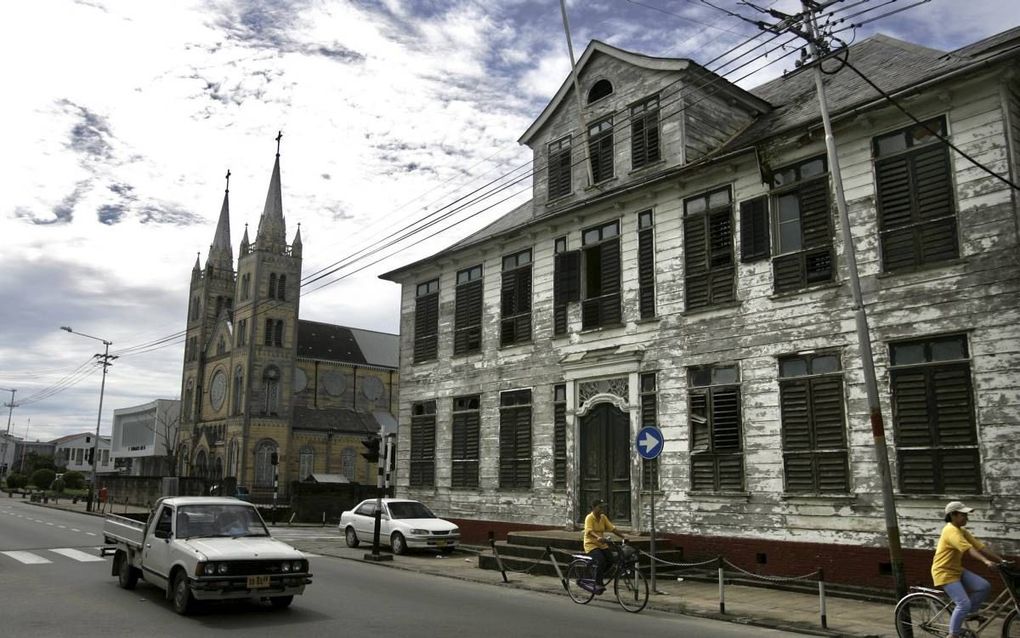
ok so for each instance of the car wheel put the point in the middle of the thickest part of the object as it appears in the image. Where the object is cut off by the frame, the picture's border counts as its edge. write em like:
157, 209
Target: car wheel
281, 602
352, 537
127, 576
398, 544
184, 603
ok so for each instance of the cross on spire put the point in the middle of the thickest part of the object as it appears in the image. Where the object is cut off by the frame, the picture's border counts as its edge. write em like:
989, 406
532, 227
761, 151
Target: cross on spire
279, 136
228, 180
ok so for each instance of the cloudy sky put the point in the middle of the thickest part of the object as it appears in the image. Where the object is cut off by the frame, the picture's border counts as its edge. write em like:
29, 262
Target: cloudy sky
121, 118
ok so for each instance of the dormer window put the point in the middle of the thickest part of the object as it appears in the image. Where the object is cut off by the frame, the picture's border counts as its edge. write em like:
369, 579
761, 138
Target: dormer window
599, 90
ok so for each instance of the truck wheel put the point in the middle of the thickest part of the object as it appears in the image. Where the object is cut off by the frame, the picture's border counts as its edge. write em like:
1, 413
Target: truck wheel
351, 537
281, 602
127, 576
183, 601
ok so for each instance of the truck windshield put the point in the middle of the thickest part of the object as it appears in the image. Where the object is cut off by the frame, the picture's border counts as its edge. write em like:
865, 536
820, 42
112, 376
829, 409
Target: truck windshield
195, 521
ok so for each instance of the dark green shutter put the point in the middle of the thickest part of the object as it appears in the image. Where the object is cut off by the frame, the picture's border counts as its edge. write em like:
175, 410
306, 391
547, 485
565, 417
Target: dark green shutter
754, 229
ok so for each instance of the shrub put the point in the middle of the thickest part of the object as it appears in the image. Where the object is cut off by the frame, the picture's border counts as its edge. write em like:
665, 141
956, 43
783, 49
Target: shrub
16, 481
58, 486
42, 479
74, 480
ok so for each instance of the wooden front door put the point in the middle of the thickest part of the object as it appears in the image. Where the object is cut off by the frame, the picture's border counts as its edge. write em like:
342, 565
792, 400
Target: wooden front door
605, 461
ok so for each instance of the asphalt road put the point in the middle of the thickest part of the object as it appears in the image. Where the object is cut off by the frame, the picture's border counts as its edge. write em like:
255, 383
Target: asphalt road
53, 584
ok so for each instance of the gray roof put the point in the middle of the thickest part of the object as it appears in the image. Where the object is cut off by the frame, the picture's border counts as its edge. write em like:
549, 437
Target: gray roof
331, 342
346, 420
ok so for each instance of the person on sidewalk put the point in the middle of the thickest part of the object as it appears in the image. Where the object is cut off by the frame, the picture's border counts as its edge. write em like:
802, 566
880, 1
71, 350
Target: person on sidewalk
596, 525
967, 589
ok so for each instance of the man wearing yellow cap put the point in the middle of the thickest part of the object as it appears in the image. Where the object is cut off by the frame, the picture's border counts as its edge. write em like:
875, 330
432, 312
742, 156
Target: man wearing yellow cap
967, 589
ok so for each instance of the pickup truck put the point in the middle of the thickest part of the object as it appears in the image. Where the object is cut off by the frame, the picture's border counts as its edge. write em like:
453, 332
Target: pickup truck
205, 548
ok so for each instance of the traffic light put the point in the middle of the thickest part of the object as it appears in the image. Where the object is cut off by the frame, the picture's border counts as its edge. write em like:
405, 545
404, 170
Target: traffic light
371, 453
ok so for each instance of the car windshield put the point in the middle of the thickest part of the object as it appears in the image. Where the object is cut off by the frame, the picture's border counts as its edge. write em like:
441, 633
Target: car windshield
221, 520
410, 509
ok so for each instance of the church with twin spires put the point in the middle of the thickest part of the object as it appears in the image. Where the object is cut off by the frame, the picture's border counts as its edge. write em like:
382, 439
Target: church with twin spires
266, 396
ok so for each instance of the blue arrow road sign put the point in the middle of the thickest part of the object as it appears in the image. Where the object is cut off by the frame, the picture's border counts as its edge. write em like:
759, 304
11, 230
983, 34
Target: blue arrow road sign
649, 442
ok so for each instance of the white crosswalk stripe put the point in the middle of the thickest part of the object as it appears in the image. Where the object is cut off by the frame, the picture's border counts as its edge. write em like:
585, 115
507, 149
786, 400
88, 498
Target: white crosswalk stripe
78, 555
27, 558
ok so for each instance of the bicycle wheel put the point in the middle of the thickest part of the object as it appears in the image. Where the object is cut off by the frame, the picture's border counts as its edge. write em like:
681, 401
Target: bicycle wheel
581, 581
921, 614
631, 589
1011, 625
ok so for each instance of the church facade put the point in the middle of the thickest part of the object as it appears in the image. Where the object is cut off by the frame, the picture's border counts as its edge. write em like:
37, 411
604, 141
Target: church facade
269, 398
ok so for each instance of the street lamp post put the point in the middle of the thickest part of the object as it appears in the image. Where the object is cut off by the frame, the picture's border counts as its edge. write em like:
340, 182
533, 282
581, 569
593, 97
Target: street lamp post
102, 387
4, 465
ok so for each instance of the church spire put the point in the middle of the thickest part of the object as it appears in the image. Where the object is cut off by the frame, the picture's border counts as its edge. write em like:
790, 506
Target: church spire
272, 232
221, 255
244, 241
295, 246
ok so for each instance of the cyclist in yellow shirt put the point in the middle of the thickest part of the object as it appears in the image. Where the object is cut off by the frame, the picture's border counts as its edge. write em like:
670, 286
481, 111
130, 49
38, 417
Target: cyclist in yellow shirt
596, 524
967, 589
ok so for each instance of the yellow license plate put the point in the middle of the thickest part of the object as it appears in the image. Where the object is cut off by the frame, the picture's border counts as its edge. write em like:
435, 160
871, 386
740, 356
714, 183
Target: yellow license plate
256, 582
440, 543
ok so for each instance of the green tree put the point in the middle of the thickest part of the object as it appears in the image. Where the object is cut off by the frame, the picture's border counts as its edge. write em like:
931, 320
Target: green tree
74, 480
42, 478
16, 481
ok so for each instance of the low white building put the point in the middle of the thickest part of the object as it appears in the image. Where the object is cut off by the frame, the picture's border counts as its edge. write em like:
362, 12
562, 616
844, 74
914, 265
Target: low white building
144, 435
71, 453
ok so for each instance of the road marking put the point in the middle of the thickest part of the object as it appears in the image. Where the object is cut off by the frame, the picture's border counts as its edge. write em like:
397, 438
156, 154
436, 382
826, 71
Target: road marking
26, 557
77, 555
50, 524
75, 529
91, 533
62, 526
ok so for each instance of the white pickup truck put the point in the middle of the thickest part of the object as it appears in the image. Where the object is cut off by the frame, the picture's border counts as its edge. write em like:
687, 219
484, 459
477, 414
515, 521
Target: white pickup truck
205, 548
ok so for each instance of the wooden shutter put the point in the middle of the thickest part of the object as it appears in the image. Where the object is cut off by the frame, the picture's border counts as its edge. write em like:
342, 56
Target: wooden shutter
720, 259
423, 450
815, 215
829, 431
725, 419
559, 174
610, 306
649, 467
601, 153
426, 328
754, 229
468, 318
515, 447
464, 469
696, 283
566, 287
644, 140
560, 445
646, 273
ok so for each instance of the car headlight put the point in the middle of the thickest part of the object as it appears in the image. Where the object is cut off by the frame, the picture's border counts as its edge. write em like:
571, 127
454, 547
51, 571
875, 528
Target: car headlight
456, 531
299, 566
420, 532
209, 569
285, 567
221, 568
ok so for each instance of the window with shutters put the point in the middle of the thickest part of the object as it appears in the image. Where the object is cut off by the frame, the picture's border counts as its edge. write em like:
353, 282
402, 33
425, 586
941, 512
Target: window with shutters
649, 417
754, 229
646, 265
566, 283
422, 471
709, 271
600, 276
644, 133
560, 436
559, 169
600, 149
933, 416
802, 245
515, 439
916, 203
813, 424
426, 321
467, 316
464, 444
713, 400
515, 299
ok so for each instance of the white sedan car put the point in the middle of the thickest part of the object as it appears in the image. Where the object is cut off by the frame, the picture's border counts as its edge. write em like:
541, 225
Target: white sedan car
404, 525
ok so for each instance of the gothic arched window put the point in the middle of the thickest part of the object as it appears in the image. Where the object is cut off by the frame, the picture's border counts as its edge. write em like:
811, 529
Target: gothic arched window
238, 390
278, 334
271, 380
347, 458
232, 458
281, 288
306, 463
218, 468
201, 468
189, 398
264, 469
272, 285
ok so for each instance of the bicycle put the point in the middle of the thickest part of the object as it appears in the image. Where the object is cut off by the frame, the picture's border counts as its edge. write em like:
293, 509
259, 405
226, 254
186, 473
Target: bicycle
629, 584
926, 611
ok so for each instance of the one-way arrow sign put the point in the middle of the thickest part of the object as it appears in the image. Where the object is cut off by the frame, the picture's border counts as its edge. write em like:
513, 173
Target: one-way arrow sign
649, 442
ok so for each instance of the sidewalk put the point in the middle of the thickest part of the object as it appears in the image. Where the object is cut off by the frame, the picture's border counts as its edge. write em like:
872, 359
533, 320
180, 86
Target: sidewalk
757, 606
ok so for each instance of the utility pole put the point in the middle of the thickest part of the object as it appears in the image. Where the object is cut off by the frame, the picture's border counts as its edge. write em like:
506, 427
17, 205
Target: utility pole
7, 437
810, 34
105, 360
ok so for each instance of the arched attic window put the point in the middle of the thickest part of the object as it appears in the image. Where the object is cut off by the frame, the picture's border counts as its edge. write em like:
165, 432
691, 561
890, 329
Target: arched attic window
599, 90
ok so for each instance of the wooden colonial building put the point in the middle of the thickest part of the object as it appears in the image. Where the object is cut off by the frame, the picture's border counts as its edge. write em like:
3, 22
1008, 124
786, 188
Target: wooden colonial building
680, 264
259, 383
